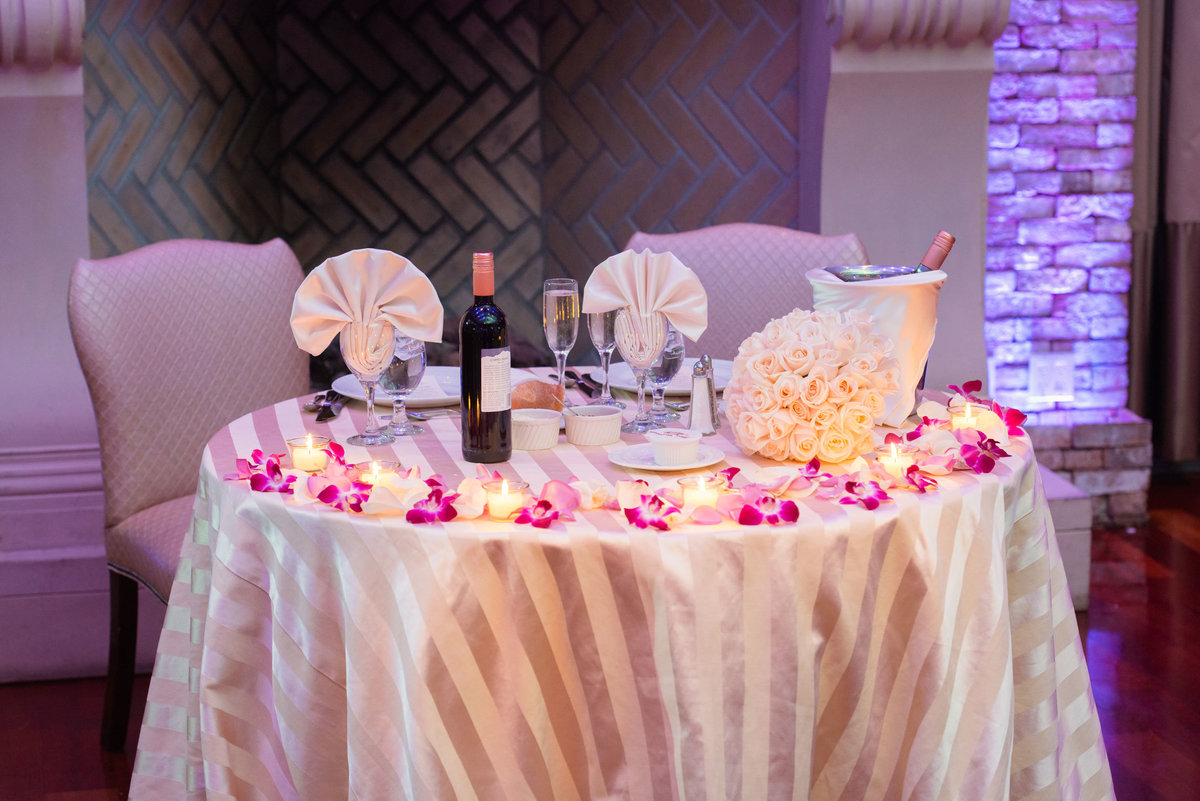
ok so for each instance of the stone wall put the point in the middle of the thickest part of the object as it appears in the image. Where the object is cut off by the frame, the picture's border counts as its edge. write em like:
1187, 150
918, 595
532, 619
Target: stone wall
1059, 186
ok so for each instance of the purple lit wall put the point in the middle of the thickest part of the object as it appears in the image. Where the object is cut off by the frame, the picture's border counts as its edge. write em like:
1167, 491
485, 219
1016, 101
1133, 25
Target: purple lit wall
1059, 199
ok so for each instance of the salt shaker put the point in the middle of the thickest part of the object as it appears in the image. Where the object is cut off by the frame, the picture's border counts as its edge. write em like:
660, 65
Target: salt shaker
702, 414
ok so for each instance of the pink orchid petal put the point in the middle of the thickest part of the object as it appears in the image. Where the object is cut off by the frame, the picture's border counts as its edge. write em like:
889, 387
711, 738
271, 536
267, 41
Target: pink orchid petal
750, 515
706, 516
561, 496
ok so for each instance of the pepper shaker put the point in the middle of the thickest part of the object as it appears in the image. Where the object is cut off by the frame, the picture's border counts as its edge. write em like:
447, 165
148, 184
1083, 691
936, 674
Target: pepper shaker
702, 414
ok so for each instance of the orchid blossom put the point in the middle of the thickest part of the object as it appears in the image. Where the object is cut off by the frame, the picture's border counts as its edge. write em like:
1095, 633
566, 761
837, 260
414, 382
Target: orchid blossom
435, 507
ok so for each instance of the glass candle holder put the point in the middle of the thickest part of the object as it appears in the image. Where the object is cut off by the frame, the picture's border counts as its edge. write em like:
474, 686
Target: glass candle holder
504, 497
966, 417
896, 459
373, 472
308, 452
702, 490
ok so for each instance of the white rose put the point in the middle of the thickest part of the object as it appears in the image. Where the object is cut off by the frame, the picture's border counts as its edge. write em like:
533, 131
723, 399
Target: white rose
842, 388
752, 432
787, 389
856, 418
781, 424
835, 446
814, 390
824, 416
803, 444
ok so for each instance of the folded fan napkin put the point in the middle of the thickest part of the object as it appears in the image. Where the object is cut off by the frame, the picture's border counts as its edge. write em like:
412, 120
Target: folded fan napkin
360, 287
649, 282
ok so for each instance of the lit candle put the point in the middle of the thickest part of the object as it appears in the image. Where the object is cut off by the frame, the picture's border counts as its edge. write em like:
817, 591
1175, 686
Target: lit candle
897, 462
308, 453
504, 498
374, 472
697, 491
964, 419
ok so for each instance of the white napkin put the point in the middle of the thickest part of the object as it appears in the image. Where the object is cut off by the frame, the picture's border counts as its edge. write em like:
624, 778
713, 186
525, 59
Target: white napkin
360, 287
649, 282
905, 309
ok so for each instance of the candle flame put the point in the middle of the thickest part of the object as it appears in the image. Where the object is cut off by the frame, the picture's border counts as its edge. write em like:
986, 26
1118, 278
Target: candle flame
504, 488
374, 472
968, 411
702, 483
308, 438
894, 454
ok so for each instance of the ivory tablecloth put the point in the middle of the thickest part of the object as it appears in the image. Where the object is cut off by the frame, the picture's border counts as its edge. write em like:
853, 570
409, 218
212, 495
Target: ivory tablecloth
926, 650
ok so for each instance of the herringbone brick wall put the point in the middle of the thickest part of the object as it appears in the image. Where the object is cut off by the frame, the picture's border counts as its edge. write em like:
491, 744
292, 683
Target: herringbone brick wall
547, 132
666, 117
414, 126
182, 133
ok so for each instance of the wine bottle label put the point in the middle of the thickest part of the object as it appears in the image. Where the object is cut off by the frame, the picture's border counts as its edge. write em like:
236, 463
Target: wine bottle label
495, 383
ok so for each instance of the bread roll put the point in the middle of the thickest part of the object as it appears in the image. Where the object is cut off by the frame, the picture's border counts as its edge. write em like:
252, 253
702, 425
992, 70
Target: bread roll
537, 395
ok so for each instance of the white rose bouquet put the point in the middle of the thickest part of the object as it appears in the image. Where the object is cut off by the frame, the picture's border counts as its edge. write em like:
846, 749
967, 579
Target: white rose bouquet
811, 384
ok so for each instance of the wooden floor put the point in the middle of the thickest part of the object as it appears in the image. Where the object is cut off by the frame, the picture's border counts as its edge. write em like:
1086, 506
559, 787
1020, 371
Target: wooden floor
1142, 636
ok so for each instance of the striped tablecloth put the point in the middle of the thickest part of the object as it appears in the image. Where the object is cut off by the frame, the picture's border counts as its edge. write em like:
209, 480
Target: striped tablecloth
924, 650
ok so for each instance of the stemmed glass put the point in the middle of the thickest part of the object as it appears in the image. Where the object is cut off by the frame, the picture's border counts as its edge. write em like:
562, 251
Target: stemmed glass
600, 329
403, 374
367, 349
560, 320
640, 338
662, 372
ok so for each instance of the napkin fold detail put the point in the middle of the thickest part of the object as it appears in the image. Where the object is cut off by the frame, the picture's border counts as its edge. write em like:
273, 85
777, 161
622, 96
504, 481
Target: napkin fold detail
360, 287
649, 282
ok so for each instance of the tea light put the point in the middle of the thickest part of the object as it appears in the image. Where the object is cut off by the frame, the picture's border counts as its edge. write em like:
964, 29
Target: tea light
504, 497
698, 491
897, 461
308, 453
372, 472
964, 419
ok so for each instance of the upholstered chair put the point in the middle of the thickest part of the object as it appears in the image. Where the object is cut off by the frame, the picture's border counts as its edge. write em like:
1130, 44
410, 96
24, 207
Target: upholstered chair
176, 339
752, 273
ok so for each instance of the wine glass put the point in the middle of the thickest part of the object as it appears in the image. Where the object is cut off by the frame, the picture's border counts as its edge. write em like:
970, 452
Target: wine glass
662, 373
367, 349
640, 338
600, 329
403, 374
560, 320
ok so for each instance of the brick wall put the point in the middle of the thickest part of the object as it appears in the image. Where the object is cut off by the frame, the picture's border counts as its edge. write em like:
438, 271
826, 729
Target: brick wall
1058, 258
1059, 186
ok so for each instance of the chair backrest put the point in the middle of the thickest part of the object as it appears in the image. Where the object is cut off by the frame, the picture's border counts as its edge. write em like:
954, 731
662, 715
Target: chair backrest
751, 272
176, 339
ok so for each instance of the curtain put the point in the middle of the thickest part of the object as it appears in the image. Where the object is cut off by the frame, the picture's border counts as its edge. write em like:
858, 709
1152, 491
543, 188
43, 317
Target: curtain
1164, 318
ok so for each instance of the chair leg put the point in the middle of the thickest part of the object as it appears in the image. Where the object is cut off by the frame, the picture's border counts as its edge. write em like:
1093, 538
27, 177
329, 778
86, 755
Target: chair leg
122, 652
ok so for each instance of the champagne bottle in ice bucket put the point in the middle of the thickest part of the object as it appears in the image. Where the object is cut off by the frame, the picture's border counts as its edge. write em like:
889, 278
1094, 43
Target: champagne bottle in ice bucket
933, 259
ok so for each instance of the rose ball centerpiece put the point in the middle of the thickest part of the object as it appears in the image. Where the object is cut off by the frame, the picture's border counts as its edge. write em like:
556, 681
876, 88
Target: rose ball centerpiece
811, 384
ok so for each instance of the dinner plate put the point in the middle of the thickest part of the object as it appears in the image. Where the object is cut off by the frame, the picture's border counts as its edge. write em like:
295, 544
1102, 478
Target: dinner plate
620, 376
641, 457
440, 386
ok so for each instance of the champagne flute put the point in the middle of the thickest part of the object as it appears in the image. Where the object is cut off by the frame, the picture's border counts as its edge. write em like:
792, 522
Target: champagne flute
560, 320
367, 349
600, 329
662, 373
401, 377
640, 338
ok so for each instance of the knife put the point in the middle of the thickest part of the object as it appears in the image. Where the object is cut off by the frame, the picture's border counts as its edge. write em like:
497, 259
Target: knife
331, 406
589, 387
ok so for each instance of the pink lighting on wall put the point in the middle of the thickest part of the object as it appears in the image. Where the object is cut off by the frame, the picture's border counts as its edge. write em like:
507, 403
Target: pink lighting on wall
1060, 148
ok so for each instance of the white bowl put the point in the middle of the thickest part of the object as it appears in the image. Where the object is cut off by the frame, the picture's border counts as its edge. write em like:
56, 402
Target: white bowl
535, 429
593, 425
674, 445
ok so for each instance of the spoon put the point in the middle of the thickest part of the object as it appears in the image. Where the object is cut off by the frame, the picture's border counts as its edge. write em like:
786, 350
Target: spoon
431, 413
314, 404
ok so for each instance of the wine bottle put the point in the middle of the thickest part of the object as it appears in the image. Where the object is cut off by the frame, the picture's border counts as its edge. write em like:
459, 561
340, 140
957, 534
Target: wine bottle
937, 253
485, 363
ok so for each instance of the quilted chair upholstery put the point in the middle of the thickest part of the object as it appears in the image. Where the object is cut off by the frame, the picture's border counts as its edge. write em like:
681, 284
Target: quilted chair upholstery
752, 273
175, 339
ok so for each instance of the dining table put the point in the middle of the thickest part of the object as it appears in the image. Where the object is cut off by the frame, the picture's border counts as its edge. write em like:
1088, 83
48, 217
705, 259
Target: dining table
925, 649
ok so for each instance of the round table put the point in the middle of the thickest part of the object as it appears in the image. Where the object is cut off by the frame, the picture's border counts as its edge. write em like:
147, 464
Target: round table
927, 649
